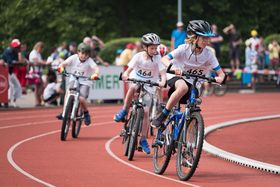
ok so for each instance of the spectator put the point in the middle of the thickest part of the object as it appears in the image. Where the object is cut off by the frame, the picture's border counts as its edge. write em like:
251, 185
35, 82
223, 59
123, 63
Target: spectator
274, 50
234, 45
178, 36
216, 41
73, 48
251, 66
36, 63
137, 47
94, 44
20, 69
127, 54
52, 90
12, 55
117, 58
255, 41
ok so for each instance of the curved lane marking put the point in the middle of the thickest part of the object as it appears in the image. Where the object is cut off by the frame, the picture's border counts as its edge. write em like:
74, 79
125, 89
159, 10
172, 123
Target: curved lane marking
109, 151
19, 169
236, 158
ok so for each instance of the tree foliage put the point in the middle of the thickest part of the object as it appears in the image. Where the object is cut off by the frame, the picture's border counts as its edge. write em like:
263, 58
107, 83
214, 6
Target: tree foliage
53, 21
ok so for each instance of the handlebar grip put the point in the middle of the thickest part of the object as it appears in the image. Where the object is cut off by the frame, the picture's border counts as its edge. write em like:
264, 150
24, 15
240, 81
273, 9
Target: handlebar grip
212, 79
120, 77
225, 79
169, 69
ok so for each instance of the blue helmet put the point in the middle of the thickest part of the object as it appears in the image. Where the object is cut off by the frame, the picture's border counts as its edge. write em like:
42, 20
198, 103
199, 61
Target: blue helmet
200, 28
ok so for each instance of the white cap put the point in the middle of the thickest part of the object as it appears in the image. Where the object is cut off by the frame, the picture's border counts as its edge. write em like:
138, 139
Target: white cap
180, 24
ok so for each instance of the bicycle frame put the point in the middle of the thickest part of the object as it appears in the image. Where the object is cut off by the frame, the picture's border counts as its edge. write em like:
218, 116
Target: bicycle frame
75, 91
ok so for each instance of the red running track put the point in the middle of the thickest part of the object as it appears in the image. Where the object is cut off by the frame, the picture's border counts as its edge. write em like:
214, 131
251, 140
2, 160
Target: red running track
85, 161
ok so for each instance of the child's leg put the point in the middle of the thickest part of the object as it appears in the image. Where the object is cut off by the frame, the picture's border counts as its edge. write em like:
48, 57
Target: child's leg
129, 96
146, 122
127, 101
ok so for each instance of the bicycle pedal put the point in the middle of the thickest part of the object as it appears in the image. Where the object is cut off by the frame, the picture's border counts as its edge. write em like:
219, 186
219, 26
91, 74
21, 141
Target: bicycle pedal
139, 149
123, 133
154, 145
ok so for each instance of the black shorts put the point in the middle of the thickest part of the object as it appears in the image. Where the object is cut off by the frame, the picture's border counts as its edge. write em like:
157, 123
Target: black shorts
171, 84
234, 53
52, 100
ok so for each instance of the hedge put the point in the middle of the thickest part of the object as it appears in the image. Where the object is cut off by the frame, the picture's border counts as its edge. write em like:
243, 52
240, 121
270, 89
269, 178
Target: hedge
109, 52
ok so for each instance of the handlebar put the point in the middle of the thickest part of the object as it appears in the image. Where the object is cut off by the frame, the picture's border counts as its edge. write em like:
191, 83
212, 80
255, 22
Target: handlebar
187, 75
149, 82
76, 76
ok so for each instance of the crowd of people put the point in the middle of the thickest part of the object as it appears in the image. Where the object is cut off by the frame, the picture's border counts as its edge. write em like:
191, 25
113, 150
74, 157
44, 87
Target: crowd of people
28, 70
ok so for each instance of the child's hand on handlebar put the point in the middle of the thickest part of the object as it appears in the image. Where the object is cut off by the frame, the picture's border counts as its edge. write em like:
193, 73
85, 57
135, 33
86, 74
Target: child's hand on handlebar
61, 70
161, 84
219, 79
94, 76
178, 72
124, 76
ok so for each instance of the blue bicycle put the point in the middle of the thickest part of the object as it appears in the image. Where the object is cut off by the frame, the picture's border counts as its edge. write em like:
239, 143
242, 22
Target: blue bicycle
184, 131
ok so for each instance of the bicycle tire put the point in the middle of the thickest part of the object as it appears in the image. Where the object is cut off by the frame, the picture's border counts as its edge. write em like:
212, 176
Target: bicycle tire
76, 125
135, 131
128, 129
162, 154
66, 123
220, 90
186, 160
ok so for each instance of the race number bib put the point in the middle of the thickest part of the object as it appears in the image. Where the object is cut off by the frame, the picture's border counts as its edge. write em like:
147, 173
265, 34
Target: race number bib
144, 73
195, 71
78, 73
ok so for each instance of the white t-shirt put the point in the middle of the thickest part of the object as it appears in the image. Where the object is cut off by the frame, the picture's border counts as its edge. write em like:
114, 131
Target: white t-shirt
75, 66
200, 64
145, 69
50, 89
35, 56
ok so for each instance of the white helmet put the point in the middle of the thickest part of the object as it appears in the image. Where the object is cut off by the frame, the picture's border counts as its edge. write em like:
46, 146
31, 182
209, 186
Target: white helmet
162, 50
150, 39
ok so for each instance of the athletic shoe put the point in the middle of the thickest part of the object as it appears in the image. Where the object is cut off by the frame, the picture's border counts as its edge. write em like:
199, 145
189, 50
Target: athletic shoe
120, 116
87, 118
158, 122
145, 146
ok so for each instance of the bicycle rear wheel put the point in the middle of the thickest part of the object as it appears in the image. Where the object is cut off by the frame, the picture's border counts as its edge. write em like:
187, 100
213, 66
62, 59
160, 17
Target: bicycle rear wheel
76, 126
163, 147
66, 123
190, 146
135, 131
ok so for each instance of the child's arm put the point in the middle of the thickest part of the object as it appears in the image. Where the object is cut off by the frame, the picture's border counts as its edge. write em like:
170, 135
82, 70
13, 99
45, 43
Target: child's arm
163, 78
125, 75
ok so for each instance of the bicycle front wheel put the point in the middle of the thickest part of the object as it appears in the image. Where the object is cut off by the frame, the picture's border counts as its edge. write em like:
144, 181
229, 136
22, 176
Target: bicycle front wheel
163, 147
128, 131
76, 126
66, 123
190, 146
135, 131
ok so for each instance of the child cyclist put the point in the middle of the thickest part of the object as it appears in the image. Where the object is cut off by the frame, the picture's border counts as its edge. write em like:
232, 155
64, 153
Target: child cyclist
192, 57
81, 64
145, 65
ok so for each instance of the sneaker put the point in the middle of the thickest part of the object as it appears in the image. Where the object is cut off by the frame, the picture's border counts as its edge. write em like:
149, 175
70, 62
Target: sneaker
156, 123
87, 118
59, 116
145, 146
120, 116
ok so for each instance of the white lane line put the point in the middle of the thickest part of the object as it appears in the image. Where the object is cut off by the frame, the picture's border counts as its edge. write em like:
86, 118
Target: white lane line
19, 169
234, 157
27, 124
109, 151
94, 115
43, 122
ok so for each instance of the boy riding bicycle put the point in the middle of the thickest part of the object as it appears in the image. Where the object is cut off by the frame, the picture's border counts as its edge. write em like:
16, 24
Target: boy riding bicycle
81, 64
145, 65
192, 57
